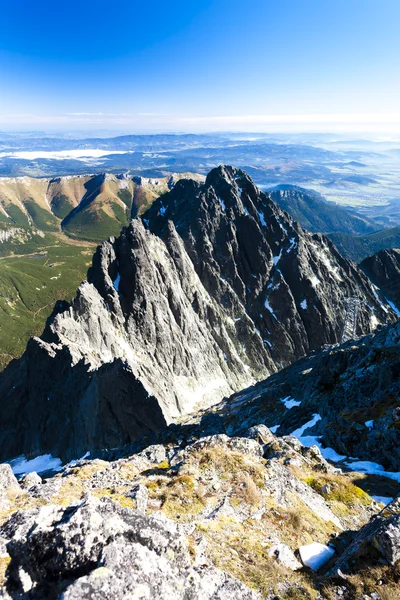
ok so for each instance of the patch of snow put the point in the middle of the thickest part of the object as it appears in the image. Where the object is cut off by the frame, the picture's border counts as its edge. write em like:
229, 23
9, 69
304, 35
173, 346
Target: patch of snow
313, 440
374, 291
282, 227
369, 424
146, 222
382, 499
277, 258
46, 462
306, 371
222, 203
323, 256
289, 402
274, 429
315, 555
374, 322
262, 219
314, 280
293, 244
299, 432
371, 468
303, 304
269, 307
162, 210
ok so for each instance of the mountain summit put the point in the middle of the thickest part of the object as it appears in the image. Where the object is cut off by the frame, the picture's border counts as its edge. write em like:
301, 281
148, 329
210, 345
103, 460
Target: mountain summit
215, 288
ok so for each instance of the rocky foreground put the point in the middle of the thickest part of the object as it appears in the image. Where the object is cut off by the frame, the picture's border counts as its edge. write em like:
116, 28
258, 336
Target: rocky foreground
222, 518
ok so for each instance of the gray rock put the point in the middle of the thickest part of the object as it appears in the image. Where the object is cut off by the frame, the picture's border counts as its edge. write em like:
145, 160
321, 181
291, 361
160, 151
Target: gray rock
202, 310
381, 534
140, 494
8, 481
285, 556
97, 549
29, 480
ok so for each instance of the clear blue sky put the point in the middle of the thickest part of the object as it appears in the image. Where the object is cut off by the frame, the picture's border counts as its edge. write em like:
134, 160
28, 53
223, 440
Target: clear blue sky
200, 65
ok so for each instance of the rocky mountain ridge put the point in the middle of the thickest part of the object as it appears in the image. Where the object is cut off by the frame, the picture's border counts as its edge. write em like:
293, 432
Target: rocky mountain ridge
219, 289
90, 207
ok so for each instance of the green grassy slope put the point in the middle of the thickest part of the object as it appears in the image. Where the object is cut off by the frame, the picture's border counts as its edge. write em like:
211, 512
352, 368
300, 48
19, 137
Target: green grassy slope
29, 287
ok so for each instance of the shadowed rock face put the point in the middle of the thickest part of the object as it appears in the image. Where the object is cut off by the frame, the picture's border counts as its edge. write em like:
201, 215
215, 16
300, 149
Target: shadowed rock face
216, 288
383, 268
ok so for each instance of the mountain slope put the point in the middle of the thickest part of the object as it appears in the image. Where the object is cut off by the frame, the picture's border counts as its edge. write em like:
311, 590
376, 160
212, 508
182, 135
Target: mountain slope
383, 269
223, 289
344, 398
316, 214
358, 248
89, 207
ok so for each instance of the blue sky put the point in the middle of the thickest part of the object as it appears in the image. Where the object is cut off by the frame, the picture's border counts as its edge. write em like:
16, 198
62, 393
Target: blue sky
209, 65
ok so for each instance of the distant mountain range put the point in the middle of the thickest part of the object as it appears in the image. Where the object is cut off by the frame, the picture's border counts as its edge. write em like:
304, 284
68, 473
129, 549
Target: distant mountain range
315, 213
89, 207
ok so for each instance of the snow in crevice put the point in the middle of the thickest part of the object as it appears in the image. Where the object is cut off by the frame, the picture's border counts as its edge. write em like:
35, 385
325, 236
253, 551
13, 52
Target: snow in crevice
323, 256
293, 244
282, 227
270, 309
312, 440
374, 291
162, 210
245, 209
289, 402
262, 219
373, 322
276, 259
369, 424
371, 468
303, 304
361, 466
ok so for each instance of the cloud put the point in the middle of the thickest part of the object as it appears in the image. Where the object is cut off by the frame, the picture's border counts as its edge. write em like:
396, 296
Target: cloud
145, 121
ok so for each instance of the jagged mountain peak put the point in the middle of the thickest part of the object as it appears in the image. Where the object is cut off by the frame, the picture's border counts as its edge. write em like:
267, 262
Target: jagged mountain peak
215, 289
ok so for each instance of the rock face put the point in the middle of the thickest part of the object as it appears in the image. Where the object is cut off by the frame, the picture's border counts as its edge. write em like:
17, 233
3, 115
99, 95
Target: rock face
98, 549
347, 394
383, 268
216, 288
381, 536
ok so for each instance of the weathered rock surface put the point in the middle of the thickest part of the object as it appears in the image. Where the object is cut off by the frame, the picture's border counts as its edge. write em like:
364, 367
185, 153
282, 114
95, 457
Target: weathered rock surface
217, 520
221, 290
383, 268
98, 549
380, 537
354, 389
